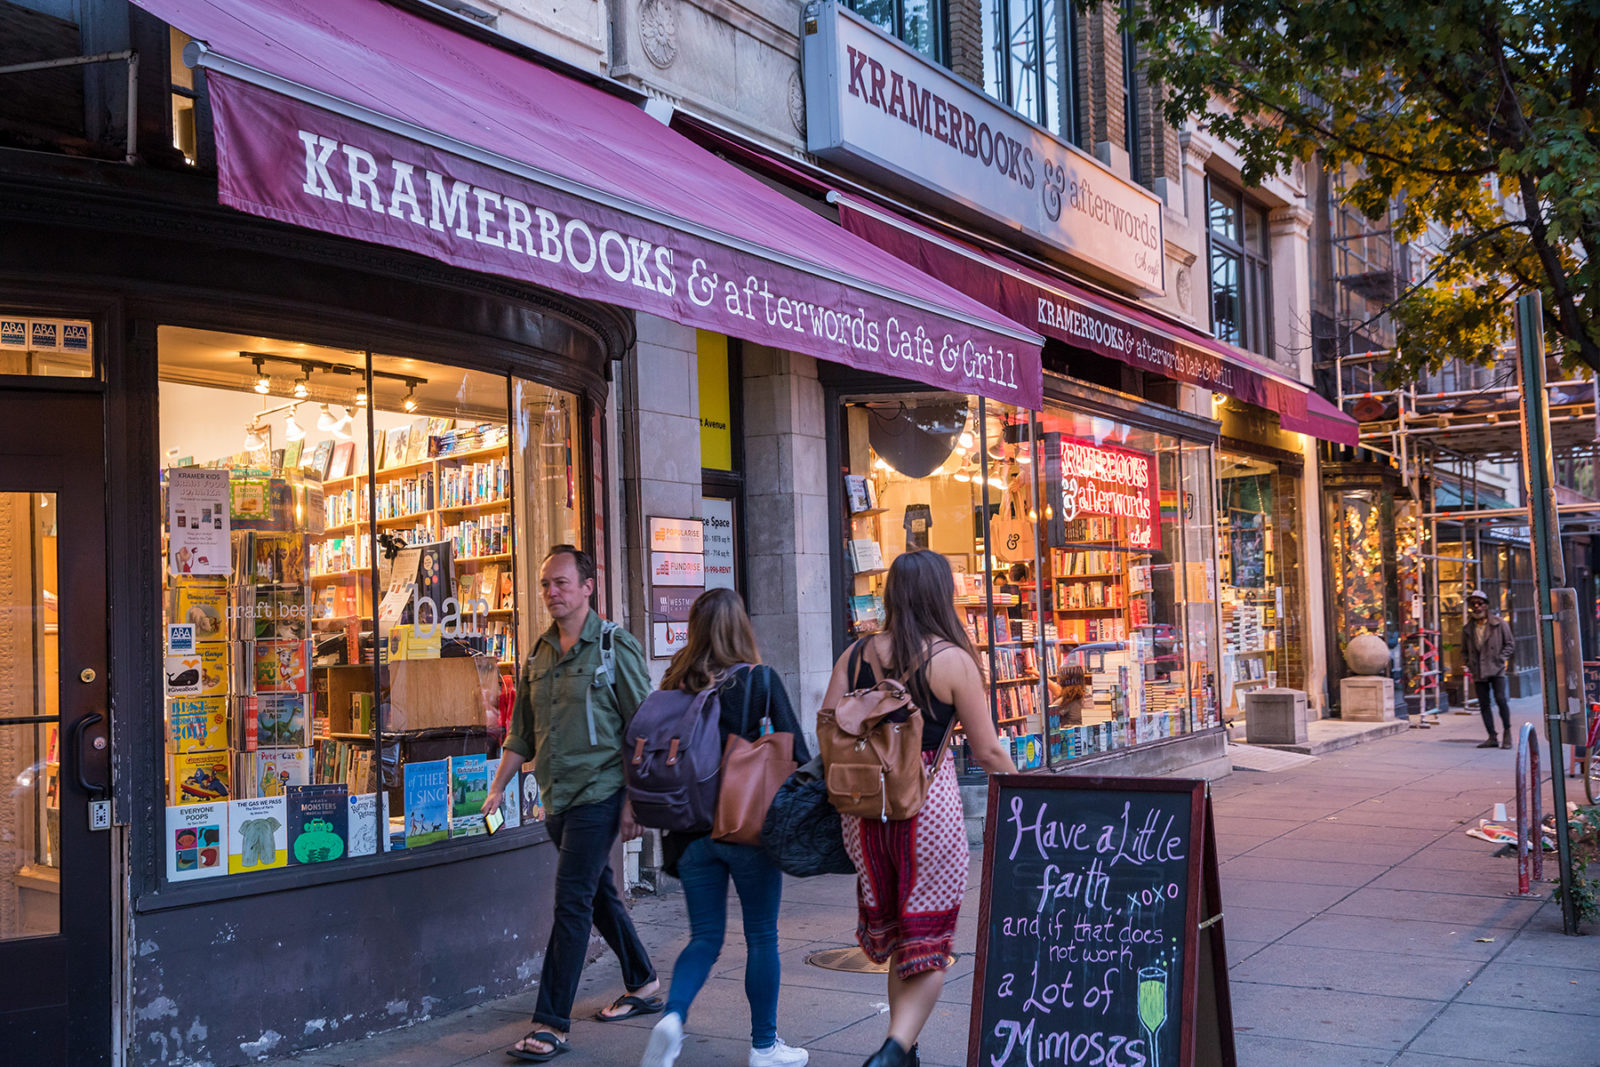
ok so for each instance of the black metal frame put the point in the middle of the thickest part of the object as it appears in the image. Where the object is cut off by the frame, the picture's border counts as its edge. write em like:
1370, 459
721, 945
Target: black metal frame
1255, 268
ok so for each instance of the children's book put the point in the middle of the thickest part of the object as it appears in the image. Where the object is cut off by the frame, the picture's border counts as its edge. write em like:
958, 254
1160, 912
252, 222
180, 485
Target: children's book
435, 578
427, 796
320, 460
363, 821
291, 454
469, 785
532, 800
511, 802
197, 844
417, 441
280, 666
319, 823
342, 460
282, 720
258, 834
197, 724
199, 777
275, 770
279, 614
202, 604
249, 499
394, 449
508, 595
280, 558
488, 586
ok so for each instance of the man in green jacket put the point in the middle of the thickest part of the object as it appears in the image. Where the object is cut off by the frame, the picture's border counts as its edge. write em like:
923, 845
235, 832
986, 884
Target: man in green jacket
579, 689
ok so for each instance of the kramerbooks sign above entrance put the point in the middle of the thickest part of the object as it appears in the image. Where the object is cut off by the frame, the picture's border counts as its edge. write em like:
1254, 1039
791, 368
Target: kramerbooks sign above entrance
879, 106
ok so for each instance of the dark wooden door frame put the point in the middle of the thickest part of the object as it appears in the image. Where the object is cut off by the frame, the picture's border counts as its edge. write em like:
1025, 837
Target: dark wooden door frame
53, 442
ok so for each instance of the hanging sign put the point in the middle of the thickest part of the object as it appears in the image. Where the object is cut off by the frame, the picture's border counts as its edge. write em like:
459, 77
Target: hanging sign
1100, 926
197, 521
1095, 482
677, 577
676, 535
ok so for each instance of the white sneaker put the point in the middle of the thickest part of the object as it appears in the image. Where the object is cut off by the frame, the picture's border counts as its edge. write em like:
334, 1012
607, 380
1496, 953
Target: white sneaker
666, 1041
779, 1055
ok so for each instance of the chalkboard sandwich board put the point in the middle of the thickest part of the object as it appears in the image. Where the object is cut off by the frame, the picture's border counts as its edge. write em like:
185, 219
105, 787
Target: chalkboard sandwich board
1100, 927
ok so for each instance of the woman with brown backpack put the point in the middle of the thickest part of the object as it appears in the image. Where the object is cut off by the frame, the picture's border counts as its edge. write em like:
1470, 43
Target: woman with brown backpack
912, 872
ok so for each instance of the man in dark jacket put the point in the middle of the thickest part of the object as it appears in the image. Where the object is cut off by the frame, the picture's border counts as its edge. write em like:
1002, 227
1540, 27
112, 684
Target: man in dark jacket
1487, 646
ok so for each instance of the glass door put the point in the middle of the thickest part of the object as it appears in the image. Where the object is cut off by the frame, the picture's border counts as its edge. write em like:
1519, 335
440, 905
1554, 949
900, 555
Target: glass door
56, 911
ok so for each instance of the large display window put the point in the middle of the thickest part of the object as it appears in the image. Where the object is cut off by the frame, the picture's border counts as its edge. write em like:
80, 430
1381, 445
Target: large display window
1080, 547
349, 541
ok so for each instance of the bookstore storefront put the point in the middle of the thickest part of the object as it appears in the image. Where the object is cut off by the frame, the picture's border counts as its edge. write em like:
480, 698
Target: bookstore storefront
1082, 543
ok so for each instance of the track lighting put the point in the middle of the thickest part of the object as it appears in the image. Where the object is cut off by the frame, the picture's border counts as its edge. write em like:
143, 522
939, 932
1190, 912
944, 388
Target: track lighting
291, 428
410, 402
361, 397
325, 419
302, 387
263, 383
252, 437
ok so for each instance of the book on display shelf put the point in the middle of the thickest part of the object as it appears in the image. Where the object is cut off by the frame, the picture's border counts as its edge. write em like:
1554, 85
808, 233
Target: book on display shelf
319, 822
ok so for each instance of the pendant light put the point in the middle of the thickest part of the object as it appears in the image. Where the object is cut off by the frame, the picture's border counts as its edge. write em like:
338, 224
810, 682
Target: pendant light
291, 428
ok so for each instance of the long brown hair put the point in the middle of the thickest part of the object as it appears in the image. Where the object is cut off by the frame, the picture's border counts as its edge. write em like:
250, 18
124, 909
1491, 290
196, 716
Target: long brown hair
719, 637
919, 608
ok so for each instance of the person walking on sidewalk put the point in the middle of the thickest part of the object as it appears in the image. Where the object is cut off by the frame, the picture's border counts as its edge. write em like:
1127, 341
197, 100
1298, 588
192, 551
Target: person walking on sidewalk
1487, 646
912, 873
581, 684
753, 702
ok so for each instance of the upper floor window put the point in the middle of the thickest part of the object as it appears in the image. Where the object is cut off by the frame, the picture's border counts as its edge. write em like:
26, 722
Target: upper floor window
1240, 278
1130, 100
919, 23
1028, 63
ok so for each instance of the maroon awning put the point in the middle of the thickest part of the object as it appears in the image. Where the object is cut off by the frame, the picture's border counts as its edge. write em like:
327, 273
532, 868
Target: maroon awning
355, 118
1093, 321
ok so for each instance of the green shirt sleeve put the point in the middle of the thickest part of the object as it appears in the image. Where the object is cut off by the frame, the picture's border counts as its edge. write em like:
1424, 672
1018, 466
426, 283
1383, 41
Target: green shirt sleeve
633, 675
519, 738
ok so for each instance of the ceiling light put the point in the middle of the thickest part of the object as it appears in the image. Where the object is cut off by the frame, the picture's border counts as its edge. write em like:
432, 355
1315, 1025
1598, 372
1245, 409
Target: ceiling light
291, 429
252, 437
341, 427
263, 383
410, 402
325, 419
965, 439
962, 476
302, 387
361, 397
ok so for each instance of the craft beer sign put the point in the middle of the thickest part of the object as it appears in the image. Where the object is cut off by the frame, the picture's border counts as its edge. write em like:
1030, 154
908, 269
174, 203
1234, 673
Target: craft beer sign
881, 107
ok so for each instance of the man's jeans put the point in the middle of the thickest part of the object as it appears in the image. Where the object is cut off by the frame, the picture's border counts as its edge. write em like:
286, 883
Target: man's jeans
586, 894
704, 870
1497, 686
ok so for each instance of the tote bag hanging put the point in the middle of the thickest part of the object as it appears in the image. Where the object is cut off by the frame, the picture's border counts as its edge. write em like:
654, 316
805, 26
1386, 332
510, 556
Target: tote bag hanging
1010, 532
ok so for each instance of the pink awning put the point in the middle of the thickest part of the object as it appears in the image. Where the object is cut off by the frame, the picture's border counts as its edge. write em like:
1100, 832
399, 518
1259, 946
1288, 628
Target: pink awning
1323, 421
356, 118
1093, 321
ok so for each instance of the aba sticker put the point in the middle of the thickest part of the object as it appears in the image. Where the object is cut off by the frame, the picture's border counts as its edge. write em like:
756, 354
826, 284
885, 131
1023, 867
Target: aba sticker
76, 337
44, 335
13, 333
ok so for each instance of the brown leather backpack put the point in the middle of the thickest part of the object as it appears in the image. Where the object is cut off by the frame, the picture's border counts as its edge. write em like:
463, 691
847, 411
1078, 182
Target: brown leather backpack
871, 747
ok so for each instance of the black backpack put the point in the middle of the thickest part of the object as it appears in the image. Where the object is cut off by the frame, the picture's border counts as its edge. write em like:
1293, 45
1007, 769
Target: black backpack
802, 832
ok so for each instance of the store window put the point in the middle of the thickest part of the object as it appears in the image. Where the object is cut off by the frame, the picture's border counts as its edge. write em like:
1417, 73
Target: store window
1029, 61
1260, 550
182, 95
1068, 535
919, 23
46, 345
349, 540
1241, 297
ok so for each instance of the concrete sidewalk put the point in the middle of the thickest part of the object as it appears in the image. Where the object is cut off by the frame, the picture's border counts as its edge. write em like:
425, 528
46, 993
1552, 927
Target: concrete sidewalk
1364, 927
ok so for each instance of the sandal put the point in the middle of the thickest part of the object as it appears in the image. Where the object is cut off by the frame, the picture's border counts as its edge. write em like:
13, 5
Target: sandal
557, 1047
636, 1006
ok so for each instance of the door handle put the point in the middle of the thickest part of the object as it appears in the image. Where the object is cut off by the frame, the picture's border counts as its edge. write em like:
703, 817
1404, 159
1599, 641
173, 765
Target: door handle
77, 752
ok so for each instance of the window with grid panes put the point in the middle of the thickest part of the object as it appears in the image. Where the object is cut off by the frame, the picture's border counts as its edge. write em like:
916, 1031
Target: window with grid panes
1238, 269
922, 24
1028, 61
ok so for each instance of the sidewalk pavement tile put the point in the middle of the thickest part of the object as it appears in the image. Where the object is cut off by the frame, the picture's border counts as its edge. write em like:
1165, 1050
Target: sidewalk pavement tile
1357, 971
1478, 912
1240, 950
1287, 896
1492, 878
1310, 872
1299, 848
1440, 858
1259, 829
1542, 944
1328, 1015
1262, 924
1427, 1059
1260, 1050
1410, 936
1516, 985
1512, 1035
1344, 833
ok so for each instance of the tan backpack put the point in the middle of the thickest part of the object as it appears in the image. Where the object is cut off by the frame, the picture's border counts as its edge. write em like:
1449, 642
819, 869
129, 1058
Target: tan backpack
871, 747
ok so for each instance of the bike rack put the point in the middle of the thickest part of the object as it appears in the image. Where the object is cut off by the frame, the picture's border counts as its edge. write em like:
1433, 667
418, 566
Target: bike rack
1529, 831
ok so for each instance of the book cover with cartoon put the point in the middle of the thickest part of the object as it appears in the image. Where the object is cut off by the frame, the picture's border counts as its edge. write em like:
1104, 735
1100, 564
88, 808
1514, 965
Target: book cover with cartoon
280, 667
199, 777
202, 604
196, 841
319, 822
282, 720
276, 770
469, 785
197, 724
427, 794
511, 802
258, 834
363, 822
532, 800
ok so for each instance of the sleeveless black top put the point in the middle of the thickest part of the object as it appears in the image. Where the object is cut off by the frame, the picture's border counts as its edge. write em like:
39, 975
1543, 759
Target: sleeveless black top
936, 714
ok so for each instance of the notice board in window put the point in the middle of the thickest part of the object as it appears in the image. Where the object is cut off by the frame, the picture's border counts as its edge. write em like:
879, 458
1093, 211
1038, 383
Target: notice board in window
1100, 926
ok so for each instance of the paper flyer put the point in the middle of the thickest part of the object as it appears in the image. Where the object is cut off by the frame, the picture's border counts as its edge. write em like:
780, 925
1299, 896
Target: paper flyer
197, 521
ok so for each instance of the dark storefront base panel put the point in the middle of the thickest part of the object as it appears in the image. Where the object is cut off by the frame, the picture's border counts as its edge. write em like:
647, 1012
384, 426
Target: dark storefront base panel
231, 982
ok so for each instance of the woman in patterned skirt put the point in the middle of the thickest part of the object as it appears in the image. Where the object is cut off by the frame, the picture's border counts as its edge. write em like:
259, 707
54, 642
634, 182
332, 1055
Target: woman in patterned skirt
911, 873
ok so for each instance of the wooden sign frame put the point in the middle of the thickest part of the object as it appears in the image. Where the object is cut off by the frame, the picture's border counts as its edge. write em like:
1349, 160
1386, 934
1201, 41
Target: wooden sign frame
1201, 1043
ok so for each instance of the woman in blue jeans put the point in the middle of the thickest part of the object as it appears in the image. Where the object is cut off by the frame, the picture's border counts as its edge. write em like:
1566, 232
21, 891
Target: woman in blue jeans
753, 701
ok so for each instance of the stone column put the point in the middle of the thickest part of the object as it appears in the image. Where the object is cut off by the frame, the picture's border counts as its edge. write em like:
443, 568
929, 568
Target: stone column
787, 538
1289, 233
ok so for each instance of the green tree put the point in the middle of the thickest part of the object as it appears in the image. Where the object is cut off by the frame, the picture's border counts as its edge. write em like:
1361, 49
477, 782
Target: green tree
1475, 116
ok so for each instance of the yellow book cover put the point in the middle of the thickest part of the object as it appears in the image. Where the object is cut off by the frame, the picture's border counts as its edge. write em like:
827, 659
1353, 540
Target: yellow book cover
203, 604
197, 724
199, 777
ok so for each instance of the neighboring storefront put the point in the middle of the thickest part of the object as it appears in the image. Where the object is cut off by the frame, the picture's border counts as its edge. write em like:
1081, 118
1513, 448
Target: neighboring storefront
302, 451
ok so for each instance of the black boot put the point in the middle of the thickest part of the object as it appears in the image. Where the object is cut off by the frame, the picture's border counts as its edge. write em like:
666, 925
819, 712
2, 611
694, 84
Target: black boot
892, 1054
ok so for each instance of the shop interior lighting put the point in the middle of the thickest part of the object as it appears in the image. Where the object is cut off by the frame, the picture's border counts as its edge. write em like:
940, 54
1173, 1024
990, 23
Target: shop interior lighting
361, 397
253, 438
302, 386
325, 419
965, 440
292, 429
263, 383
410, 402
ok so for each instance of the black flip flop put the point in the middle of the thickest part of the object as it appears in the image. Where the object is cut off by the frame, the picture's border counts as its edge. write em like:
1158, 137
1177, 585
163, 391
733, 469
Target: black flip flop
635, 1005
557, 1047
